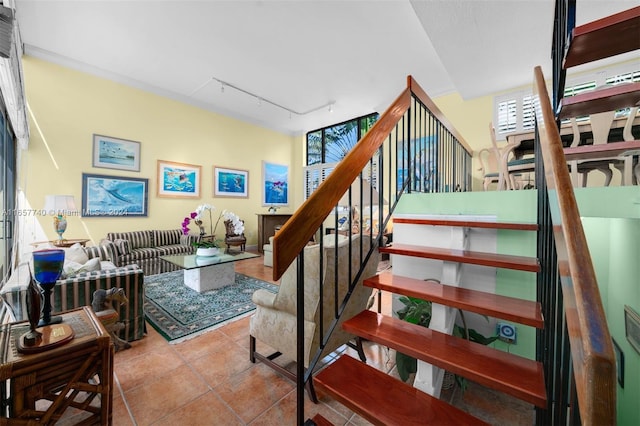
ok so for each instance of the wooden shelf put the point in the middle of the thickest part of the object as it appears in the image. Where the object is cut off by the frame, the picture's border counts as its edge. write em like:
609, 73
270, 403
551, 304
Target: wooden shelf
517, 310
603, 38
607, 99
518, 263
384, 400
517, 376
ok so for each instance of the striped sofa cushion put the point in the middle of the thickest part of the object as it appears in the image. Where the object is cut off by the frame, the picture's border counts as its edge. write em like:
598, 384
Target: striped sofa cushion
166, 237
105, 251
137, 239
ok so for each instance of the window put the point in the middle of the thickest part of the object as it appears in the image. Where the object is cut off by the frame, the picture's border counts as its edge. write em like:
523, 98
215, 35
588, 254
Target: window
514, 112
326, 147
331, 144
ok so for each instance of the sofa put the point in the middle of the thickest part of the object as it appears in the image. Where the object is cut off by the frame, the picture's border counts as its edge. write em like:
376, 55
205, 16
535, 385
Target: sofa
144, 248
77, 290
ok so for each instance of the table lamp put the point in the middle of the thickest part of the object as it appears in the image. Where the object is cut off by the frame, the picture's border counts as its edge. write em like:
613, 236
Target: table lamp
59, 206
47, 268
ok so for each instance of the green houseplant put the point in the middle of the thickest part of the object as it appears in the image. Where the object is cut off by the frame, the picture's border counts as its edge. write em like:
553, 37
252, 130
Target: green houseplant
418, 311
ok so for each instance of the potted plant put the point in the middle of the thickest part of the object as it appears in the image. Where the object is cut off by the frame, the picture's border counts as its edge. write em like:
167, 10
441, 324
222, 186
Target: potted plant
208, 245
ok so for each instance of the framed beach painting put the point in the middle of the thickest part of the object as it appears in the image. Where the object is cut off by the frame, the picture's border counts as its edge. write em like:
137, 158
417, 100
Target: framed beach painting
230, 182
275, 184
178, 180
115, 153
114, 196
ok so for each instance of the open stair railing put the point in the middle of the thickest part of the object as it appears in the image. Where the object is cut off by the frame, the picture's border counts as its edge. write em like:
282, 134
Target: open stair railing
575, 347
411, 148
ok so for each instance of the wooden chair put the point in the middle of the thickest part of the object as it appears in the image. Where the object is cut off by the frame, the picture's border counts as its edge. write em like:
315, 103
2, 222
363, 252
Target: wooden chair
510, 170
635, 160
488, 167
233, 239
600, 127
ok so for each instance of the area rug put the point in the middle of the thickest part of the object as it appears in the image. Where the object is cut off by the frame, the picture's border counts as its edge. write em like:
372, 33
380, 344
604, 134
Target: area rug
179, 313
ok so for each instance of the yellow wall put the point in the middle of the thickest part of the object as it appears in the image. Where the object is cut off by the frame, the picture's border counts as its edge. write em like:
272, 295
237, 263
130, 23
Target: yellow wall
471, 118
67, 107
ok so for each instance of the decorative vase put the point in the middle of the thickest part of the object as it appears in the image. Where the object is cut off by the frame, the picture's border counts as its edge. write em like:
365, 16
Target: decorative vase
47, 268
207, 251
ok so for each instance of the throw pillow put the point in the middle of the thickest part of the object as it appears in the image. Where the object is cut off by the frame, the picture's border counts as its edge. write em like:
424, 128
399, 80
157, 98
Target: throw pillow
105, 264
123, 246
72, 268
76, 253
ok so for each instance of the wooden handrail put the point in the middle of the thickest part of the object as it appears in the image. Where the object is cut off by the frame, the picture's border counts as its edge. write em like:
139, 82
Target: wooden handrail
419, 93
299, 229
591, 347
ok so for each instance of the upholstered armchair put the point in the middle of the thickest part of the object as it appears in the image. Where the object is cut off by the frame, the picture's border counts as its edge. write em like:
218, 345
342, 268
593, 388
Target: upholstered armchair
233, 239
274, 322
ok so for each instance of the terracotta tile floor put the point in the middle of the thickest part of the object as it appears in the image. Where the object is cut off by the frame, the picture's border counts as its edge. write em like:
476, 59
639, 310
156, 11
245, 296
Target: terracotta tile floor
208, 380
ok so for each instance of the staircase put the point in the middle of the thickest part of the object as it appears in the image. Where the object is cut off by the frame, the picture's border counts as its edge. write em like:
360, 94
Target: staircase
520, 377
572, 380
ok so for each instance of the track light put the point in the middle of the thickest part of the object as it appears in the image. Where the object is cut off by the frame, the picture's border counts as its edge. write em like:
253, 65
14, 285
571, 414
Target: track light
260, 99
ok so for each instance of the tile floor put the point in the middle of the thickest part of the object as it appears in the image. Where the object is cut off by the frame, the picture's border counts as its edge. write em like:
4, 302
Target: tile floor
209, 380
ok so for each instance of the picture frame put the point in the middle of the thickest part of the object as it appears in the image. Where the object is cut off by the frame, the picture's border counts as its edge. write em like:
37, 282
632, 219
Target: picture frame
178, 180
619, 362
231, 183
632, 327
275, 184
114, 196
116, 153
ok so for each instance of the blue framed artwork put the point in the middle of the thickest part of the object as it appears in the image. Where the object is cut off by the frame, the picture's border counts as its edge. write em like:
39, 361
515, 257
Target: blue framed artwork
113, 196
178, 180
115, 153
230, 182
275, 184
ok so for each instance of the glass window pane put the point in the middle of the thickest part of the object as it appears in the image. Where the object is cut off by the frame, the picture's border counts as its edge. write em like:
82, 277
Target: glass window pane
314, 148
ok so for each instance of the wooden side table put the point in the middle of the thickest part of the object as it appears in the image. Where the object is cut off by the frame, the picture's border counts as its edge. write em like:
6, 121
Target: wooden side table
78, 374
63, 243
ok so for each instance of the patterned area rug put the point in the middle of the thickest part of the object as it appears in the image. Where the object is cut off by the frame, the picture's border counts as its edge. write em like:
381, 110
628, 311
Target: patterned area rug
180, 313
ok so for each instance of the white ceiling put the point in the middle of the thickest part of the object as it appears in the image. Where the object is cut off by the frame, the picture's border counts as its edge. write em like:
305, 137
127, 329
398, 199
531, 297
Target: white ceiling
302, 55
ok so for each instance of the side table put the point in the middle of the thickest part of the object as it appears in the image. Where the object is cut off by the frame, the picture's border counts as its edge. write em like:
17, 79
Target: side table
63, 243
78, 374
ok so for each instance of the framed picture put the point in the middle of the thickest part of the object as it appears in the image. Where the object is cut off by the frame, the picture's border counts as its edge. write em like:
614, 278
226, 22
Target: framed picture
230, 183
114, 153
113, 196
178, 180
619, 363
632, 327
275, 184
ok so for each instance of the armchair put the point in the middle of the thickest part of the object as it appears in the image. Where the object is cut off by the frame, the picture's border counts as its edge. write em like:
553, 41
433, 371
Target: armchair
233, 239
274, 322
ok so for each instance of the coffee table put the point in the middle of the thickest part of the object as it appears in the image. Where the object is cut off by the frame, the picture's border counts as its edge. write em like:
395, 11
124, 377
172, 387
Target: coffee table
204, 273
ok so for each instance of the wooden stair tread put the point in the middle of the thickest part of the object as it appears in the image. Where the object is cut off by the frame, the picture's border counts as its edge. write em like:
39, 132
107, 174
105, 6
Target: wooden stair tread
612, 149
384, 400
509, 308
603, 38
502, 371
519, 263
469, 223
606, 99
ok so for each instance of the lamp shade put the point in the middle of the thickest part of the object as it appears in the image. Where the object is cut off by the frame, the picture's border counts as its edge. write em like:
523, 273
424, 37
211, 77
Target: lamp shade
59, 204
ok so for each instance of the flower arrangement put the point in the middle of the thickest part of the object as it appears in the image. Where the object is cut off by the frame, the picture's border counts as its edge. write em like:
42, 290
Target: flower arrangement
197, 217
